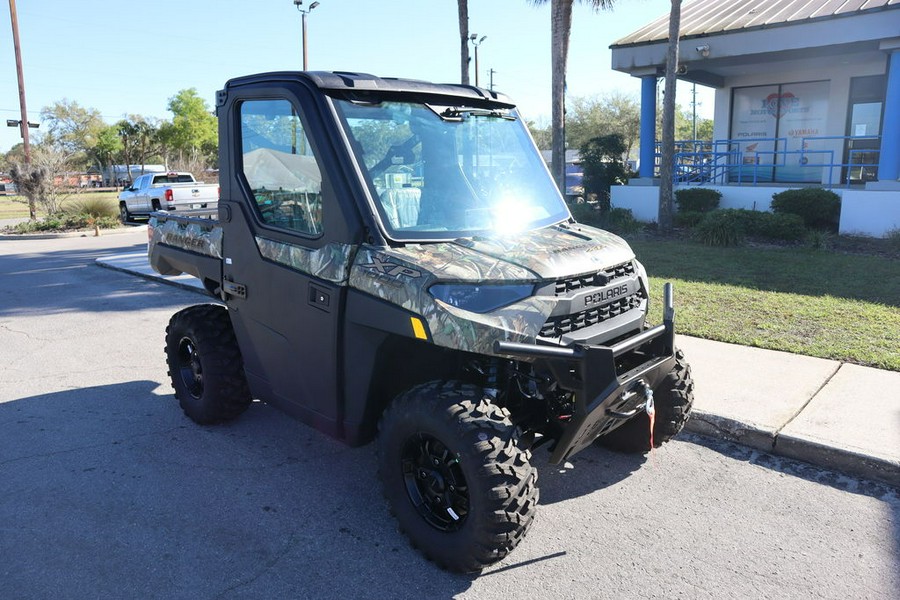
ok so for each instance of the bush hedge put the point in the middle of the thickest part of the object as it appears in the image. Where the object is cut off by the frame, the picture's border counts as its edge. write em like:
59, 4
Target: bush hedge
771, 226
697, 199
729, 227
720, 228
819, 208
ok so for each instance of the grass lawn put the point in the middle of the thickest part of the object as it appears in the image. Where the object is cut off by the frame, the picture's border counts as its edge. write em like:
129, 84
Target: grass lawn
814, 302
12, 207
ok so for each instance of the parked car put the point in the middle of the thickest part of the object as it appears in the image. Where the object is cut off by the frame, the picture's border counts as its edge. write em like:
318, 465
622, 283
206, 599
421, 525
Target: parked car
173, 191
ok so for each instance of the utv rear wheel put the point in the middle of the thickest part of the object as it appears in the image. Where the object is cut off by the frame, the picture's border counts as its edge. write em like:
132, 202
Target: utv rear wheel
673, 398
462, 490
205, 364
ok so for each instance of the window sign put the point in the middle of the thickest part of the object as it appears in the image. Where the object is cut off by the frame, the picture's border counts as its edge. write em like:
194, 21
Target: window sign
771, 127
753, 131
803, 114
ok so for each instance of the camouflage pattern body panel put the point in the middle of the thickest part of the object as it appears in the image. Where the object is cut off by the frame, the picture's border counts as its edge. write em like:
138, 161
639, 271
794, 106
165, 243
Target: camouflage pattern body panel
557, 252
331, 262
403, 275
202, 239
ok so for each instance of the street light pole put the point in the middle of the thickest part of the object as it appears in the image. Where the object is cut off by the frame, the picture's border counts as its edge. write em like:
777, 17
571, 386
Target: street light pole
476, 42
303, 13
23, 124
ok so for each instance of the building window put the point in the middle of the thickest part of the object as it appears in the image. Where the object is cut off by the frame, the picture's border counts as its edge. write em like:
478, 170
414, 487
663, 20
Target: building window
777, 132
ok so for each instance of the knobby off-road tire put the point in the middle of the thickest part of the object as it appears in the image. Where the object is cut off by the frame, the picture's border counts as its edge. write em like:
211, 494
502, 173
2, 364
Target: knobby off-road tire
462, 490
673, 398
205, 364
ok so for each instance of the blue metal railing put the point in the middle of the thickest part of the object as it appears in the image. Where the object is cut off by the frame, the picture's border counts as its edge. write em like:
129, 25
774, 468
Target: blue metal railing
770, 160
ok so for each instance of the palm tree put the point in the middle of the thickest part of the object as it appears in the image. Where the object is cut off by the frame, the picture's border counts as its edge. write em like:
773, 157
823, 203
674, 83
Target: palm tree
667, 158
463, 6
560, 29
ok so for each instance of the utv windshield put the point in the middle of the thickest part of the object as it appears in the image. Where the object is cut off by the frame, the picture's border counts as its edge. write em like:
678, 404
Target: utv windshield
441, 172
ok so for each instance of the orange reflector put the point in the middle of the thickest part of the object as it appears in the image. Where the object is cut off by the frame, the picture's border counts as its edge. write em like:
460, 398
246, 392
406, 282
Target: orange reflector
418, 328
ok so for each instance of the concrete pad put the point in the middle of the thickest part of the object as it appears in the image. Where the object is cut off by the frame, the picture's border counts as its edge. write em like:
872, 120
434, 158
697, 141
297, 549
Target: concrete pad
136, 263
857, 415
748, 394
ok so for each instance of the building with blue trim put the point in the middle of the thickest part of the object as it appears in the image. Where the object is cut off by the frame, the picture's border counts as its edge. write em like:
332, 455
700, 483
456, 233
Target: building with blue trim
807, 93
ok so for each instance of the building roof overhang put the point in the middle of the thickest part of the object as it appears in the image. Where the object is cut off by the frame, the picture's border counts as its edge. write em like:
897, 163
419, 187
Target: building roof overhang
708, 56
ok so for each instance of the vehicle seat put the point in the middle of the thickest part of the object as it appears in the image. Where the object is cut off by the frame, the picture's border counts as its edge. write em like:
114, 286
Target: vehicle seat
402, 206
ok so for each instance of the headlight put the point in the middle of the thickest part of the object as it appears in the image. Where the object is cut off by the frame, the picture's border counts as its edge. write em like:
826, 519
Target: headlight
480, 298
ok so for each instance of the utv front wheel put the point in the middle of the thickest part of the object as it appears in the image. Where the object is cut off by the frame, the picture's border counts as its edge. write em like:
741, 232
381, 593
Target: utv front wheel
673, 398
205, 364
462, 490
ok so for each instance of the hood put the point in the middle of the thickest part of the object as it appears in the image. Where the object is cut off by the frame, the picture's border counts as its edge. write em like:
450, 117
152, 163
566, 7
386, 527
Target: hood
547, 253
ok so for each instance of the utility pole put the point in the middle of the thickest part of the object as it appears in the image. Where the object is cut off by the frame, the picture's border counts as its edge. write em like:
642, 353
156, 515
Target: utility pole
694, 107
303, 13
23, 123
476, 42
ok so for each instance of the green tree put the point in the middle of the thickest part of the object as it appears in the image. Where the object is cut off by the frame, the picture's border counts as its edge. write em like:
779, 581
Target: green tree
601, 159
192, 135
616, 112
107, 148
543, 138
71, 128
560, 30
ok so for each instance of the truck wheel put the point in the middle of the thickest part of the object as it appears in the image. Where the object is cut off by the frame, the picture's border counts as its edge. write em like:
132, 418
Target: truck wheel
124, 213
205, 364
154, 204
673, 397
462, 490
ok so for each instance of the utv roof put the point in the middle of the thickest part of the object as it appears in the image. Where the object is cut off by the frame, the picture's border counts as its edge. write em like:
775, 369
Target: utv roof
365, 83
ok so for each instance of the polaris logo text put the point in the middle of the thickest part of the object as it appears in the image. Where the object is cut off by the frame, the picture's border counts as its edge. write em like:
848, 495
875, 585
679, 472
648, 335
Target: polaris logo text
607, 294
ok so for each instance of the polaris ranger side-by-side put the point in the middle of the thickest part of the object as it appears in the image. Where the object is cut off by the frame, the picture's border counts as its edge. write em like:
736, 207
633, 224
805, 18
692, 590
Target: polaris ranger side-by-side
393, 260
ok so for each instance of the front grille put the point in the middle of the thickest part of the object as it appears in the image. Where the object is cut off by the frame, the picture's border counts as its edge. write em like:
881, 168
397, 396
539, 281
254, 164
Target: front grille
601, 278
558, 326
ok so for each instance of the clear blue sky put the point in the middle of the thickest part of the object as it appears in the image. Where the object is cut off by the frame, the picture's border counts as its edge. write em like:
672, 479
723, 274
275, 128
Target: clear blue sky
131, 57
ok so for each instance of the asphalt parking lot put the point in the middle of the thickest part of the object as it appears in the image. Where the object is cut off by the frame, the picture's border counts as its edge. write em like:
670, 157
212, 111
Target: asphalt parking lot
109, 491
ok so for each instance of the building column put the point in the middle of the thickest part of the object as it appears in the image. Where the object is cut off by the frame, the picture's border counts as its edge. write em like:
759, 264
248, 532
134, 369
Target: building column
648, 125
889, 159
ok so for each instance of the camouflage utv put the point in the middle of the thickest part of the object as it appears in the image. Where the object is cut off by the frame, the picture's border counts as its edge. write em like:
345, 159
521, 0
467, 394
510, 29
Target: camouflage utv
393, 260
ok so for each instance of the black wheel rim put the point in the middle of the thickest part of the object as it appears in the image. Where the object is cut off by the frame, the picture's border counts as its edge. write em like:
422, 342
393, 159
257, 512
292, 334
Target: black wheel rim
435, 482
189, 367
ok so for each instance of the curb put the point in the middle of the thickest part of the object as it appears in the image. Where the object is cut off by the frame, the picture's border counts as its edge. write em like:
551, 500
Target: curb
68, 234
843, 460
190, 287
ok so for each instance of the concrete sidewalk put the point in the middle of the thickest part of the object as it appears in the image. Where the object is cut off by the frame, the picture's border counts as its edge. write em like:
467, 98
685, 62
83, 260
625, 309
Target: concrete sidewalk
831, 414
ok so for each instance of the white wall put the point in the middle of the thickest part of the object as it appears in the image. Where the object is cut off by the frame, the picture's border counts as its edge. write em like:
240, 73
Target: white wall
863, 212
870, 213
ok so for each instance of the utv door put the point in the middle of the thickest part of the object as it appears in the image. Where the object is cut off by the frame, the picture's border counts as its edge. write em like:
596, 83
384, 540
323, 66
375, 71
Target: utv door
286, 251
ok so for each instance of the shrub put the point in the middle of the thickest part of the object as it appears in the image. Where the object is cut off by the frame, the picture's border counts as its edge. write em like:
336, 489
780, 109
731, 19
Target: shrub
697, 199
586, 213
93, 207
818, 239
688, 219
819, 209
768, 225
621, 221
893, 238
720, 228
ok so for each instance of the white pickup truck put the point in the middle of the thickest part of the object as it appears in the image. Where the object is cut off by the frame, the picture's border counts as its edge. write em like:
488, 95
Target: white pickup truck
166, 191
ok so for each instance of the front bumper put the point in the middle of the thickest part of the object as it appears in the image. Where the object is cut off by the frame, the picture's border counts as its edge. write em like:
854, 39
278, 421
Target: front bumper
606, 380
